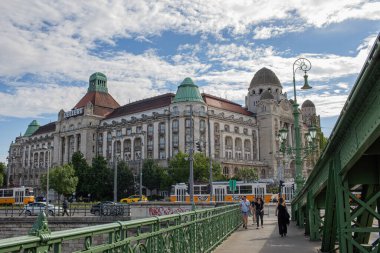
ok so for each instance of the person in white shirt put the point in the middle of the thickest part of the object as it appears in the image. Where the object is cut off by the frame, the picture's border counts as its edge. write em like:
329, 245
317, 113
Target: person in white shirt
244, 207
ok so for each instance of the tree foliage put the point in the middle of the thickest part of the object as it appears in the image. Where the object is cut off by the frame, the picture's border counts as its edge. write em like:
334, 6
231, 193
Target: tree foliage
2, 174
322, 139
151, 174
179, 168
247, 175
82, 170
125, 182
100, 180
62, 179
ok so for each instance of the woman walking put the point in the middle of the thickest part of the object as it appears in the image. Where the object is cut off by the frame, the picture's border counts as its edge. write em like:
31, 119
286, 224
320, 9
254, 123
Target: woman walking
244, 207
259, 205
282, 217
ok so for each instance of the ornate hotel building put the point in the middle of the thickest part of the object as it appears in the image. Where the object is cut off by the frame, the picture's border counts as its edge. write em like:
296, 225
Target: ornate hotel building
159, 127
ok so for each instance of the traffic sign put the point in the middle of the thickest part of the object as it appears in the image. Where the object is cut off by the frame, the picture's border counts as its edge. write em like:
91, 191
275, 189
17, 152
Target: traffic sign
232, 185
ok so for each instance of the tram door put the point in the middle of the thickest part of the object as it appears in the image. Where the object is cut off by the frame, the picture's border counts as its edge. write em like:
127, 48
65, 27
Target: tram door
181, 194
219, 194
19, 196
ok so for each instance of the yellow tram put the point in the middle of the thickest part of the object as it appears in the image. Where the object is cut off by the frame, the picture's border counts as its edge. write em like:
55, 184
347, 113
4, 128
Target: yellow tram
221, 192
16, 195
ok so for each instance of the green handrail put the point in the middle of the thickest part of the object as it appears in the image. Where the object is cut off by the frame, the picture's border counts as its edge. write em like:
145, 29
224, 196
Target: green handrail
195, 231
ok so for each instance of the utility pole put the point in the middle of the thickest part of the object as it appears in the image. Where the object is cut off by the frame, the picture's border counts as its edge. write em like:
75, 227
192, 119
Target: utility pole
141, 174
191, 179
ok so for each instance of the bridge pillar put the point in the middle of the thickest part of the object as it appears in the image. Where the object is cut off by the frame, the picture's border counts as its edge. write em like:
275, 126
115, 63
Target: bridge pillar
313, 221
329, 224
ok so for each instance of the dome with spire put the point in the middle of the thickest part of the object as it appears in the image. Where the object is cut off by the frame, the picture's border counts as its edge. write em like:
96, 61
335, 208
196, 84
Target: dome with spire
266, 95
188, 92
307, 103
265, 77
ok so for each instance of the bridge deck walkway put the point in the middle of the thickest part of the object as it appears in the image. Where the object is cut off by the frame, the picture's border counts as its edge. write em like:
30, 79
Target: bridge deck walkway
268, 240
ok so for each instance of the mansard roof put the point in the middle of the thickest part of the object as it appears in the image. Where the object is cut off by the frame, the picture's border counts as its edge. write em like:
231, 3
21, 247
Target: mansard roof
48, 128
225, 104
103, 102
143, 105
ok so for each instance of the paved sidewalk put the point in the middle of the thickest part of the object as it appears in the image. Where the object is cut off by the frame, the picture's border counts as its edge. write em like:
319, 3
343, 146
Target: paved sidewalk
268, 240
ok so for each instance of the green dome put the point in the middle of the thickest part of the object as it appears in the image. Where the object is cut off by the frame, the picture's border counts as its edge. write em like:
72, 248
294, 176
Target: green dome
33, 126
188, 92
98, 82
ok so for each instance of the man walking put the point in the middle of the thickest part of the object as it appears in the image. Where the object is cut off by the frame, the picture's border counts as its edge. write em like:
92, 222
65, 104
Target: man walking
65, 206
244, 207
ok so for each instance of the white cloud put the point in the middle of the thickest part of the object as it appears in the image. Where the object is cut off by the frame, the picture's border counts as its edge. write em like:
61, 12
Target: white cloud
266, 32
58, 42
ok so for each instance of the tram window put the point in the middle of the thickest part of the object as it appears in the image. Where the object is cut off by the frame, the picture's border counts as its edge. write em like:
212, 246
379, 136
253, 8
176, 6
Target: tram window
8, 193
197, 190
230, 192
1, 193
247, 189
204, 190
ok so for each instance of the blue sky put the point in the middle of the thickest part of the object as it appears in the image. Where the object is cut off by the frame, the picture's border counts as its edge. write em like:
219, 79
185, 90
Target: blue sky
50, 48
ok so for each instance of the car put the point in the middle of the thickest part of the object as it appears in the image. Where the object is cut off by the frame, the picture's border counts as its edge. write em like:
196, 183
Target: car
134, 198
38, 207
107, 208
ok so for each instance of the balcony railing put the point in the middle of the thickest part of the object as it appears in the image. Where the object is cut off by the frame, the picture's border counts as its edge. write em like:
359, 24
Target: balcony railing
187, 232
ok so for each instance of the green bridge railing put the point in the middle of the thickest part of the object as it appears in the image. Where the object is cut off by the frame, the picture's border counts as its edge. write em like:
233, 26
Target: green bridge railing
195, 231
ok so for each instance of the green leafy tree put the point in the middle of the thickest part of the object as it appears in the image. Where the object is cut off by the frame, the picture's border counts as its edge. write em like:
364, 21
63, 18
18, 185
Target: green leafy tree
322, 139
125, 183
100, 180
2, 174
82, 169
62, 180
179, 168
166, 180
152, 175
247, 175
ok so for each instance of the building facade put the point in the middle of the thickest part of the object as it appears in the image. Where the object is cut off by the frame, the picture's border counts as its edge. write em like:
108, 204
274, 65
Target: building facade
159, 127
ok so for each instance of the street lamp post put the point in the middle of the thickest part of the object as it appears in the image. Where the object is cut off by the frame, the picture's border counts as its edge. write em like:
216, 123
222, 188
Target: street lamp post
304, 65
115, 179
141, 173
191, 179
47, 178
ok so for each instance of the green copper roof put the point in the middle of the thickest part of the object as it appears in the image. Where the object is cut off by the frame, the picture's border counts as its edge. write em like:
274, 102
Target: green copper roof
98, 82
188, 92
33, 126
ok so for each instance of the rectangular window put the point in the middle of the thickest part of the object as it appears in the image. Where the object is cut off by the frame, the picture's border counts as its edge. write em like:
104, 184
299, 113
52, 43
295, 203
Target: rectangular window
187, 122
246, 189
139, 129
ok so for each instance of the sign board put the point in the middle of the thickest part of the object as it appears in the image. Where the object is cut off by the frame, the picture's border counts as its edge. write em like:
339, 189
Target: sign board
232, 185
74, 112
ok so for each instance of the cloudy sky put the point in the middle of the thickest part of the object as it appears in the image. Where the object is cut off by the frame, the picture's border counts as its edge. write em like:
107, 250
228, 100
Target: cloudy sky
48, 50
